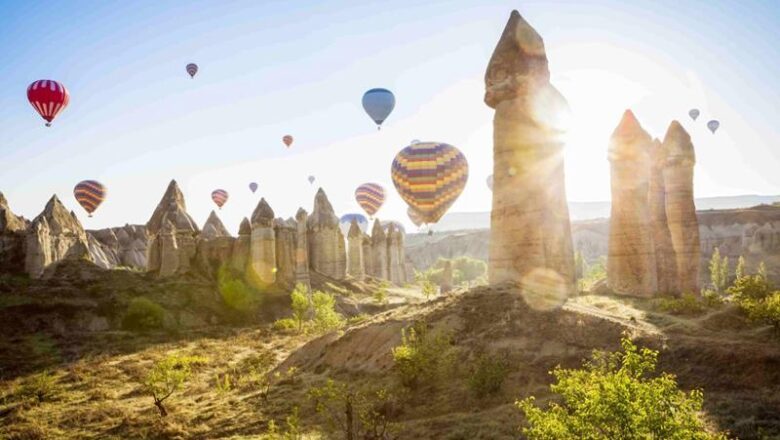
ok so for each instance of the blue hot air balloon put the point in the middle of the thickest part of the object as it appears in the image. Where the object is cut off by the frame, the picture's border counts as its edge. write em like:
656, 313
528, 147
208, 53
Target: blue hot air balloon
346, 221
378, 103
713, 126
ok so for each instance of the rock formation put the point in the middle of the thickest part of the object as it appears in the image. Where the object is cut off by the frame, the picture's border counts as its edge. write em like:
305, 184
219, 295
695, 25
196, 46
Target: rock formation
285, 251
241, 247
396, 272
125, 245
665, 260
302, 248
530, 218
631, 265
12, 232
54, 235
213, 228
262, 264
326, 243
355, 264
174, 234
367, 257
679, 159
378, 252
446, 278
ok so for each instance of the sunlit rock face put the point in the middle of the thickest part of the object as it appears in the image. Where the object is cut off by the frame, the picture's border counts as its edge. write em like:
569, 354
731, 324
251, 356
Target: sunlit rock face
173, 235
355, 263
285, 251
665, 259
631, 265
262, 264
396, 270
54, 235
446, 278
241, 247
122, 246
378, 267
214, 228
530, 219
679, 159
302, 248
327, 251
12, 238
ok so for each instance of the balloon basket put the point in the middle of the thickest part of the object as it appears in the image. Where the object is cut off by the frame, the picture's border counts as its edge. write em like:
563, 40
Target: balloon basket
48, 124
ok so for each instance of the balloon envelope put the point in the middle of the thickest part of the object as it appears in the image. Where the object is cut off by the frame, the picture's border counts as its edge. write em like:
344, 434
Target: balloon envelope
490, 182
192, 69
288, 140
713, 125
220, 197
694, 113
370, 197
414, 216
90, 194
253, 186
430, 176
378, 103
48, 98
311, 179
345, 222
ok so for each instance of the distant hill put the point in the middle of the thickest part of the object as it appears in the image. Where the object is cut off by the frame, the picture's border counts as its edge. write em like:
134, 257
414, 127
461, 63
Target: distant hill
592, 210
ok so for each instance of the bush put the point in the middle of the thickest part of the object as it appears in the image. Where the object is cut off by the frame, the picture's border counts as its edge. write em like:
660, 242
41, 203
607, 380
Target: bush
421, 357
750, 287
143, 314
592, 274
487, 375
687, 304
168, 376
287, 325
765, 310
326, 318
429, 289
358, 319
300, 305
380, 296
613, 396
469, 269
235, 293
321, 308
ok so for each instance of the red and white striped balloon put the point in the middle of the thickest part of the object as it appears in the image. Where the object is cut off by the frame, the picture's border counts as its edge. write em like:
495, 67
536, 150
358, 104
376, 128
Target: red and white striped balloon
48, 98
219, 196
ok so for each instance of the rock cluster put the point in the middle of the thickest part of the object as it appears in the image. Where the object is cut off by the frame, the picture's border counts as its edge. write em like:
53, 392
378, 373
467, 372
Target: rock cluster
653, 233
12, 238
174, 234
530, 219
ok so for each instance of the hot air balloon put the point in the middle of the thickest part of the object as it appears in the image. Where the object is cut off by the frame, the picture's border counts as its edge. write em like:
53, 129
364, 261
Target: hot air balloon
378, 103
192, 69
713, 126
370, 197
90, 194
220, 197
490, 182
311, 179
48, 98
414, 216
430, 176
288, 140
694, 113
253, 187
346, 222
398, 226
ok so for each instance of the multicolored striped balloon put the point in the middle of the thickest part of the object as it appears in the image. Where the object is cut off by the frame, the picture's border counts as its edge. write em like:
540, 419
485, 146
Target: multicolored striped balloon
192, 69
288, 140
220, 197
414, 216
370, 197
48, 98
430, 176
253, 187
90, 194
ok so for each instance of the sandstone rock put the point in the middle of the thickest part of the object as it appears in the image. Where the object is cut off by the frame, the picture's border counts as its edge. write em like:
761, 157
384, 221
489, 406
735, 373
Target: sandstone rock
12, 238
262, 262
530, 218
631, 265
665, 259
9, 223
378, 252
355, 263
174, 234
173, 208
126, 245
55, 235
395, 258
285, 251
679, 158
214, 228
242, 246
302, 248
367, 254
327, 253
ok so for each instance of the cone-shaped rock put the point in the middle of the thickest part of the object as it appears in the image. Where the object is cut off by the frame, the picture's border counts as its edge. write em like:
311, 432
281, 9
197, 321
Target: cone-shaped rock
54, 235
263, 245
301, 247
530, 240
214, 228
263, 215
172, 207
12, 239
665, 260
241, 246
679, 159
8, 221
171, 254
327, 253
355, 262
631, 265
378, 268
245, 228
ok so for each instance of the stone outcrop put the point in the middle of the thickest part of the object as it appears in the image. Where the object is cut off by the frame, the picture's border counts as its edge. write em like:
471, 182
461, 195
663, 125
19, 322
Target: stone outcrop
123, 246
396, 272
302, 248
327, 253
530, 218
355, 263
213, 228
12, 238
262, 264
286, 243
173, 234
379, 259
54, 235
679, 159
665, 259
241, 247
631, 265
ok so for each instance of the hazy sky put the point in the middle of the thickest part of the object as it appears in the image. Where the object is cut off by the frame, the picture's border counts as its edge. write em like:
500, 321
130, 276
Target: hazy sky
136, 119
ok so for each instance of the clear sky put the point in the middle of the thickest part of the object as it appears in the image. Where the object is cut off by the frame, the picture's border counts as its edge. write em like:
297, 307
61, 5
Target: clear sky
268, 68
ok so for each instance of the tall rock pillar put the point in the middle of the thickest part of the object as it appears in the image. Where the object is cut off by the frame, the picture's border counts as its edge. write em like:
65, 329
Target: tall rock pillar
262, 259
665, 259
680, 208
395, 262
631, 265
530, 231
378, 252
301, 248
327, 252
355, 264
242, 246
285, 251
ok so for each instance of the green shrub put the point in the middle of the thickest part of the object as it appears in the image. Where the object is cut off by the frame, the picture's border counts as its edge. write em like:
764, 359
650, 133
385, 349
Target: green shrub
235, 293
317, 314
286, 325
300, 305
687, 304
750, 287
719, 271
592, 274
353, 413
326, 318
421, 357
143, 314
358, 319
429, 289
292, 431
380, 296
765, 310
468, 269
487, 375
615, 396
168, 376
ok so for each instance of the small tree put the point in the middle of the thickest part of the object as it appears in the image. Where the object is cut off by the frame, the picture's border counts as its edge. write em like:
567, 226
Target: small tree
326, 318
300, 305
428, 289
739, 272
719, 271
168, 376
614, 397
422, 356
762, 272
